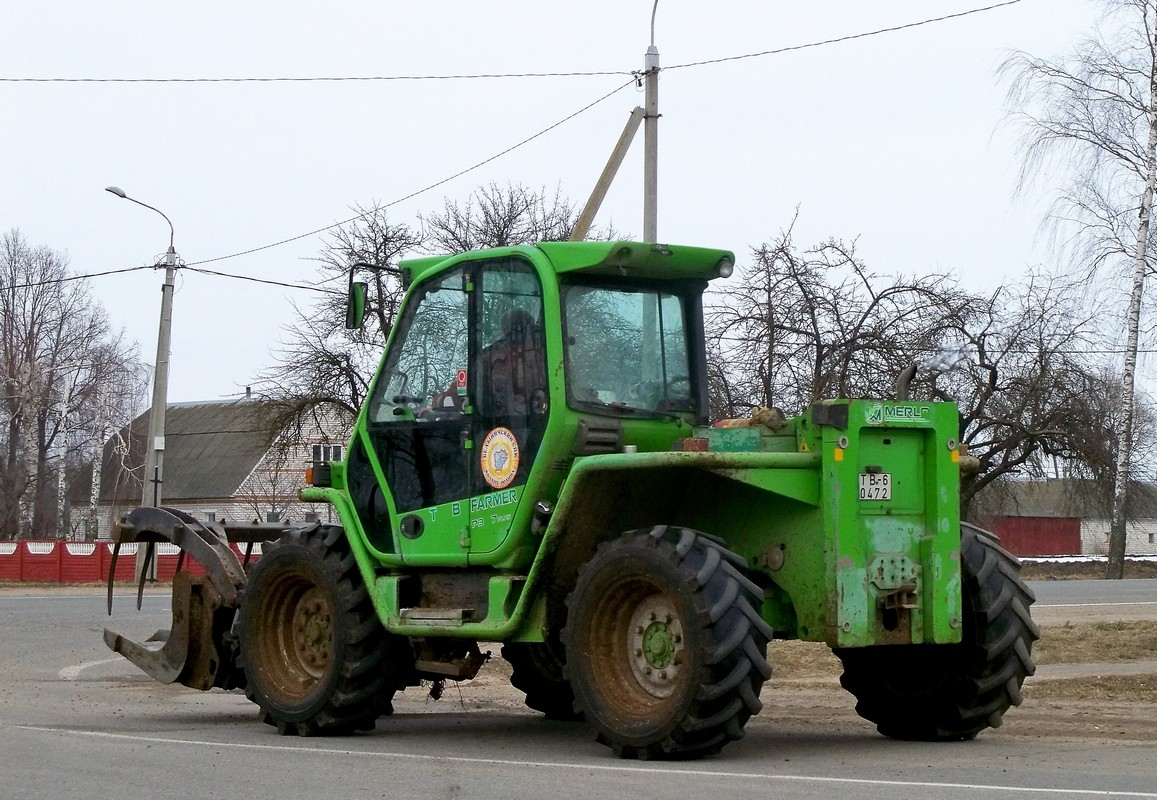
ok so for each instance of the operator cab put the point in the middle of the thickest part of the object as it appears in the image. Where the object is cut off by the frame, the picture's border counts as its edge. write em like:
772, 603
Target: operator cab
491, 348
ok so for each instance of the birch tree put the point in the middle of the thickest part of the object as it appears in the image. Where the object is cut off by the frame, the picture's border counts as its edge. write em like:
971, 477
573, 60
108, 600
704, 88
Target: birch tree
1093, 114
58, 354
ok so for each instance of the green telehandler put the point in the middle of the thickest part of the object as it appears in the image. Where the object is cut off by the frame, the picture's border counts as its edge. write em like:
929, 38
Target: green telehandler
534, 467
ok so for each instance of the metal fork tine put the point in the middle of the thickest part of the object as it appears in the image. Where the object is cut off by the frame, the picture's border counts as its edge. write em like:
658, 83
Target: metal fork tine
145, 572
112, 571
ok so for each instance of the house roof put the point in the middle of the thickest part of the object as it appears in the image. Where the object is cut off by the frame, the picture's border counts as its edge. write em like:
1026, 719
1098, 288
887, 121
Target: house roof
210, 448
1082, 499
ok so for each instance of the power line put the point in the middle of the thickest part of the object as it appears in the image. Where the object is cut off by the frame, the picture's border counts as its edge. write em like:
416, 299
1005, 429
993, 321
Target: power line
634, 78
434, 185
848, 38
75, 278
506, 75
283, 79
757, 339
328, 78
262, 280
194, 264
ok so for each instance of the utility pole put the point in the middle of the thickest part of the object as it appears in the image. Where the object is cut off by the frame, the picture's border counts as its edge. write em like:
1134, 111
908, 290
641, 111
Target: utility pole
155, 455
582, 224
153, 477
651, 139
649, 115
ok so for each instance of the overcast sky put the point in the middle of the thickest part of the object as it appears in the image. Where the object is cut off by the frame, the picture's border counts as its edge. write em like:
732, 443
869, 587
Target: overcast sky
893, 139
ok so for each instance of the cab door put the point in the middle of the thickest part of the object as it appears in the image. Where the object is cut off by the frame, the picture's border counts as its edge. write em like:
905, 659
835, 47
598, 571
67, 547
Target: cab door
510, 395
419, 423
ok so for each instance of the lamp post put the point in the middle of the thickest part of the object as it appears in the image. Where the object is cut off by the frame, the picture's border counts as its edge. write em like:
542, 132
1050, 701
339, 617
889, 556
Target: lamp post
155, 452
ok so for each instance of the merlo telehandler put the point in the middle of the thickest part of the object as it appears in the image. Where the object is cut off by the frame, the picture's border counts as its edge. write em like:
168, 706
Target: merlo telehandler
534, 467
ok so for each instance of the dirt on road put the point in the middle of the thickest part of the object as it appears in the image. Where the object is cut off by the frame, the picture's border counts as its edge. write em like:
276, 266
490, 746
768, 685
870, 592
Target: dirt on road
804, 694
1082, 570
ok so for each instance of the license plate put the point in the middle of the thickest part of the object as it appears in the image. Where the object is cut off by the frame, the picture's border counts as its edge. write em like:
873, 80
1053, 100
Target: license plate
875, 486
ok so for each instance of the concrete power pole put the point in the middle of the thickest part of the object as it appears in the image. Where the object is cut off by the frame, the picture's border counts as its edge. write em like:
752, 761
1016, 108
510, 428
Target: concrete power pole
155, 446
155, 454
651, 140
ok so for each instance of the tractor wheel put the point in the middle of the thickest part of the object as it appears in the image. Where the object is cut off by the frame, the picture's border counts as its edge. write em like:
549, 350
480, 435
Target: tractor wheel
537, 669
665, 646
954, 691
315, 655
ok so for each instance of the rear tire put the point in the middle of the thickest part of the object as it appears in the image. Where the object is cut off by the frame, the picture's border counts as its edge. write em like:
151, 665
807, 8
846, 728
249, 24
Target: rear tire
537, 669
952, 692
665, 647
316, 658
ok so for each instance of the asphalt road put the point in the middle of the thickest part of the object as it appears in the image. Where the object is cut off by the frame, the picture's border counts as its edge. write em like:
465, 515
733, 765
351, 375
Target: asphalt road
1058, 602
76, 721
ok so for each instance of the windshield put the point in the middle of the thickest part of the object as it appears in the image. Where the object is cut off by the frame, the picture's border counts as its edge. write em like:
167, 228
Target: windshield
425, 372
626, 350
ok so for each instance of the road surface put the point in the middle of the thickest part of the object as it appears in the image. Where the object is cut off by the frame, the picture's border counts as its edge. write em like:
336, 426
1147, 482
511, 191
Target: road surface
76, 721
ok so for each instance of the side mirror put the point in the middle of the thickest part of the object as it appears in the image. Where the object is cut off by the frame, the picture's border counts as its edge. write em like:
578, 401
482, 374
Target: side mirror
355, 310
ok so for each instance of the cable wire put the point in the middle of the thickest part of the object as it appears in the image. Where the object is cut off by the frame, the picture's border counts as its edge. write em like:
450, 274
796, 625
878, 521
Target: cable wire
327, 78
78, 277
264, 280
192, 265
434, 185
634, 77
504, 75
848, 38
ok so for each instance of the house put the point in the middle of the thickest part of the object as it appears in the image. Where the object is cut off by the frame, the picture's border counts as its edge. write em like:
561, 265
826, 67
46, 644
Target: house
224, 461
1064, 517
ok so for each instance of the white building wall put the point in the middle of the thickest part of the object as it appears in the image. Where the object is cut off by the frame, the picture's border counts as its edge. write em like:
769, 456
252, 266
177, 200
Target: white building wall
1140, 537
272, 486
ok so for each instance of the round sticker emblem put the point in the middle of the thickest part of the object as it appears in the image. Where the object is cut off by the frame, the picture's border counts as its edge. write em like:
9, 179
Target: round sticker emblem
499, 458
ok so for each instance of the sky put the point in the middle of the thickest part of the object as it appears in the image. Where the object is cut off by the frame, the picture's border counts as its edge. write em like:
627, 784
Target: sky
898, 140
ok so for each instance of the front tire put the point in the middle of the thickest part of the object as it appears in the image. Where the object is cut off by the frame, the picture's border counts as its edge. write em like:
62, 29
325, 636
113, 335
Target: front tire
537, 669
315, 655
954, 691
665, 646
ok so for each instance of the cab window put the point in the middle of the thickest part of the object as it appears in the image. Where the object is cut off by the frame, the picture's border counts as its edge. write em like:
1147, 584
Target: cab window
626, 350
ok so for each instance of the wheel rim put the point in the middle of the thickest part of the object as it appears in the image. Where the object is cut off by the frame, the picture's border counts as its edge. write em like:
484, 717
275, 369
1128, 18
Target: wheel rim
297, 644
312, 633
656, 646
637, 647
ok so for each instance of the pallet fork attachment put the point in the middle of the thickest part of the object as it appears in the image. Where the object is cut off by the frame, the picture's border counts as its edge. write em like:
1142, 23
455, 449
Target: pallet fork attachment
199, 650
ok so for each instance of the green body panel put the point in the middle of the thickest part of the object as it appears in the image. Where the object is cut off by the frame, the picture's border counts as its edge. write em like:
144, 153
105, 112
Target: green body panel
834, 567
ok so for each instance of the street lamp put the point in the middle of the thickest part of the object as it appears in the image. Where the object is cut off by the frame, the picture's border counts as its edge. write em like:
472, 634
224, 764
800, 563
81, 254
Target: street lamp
155, 452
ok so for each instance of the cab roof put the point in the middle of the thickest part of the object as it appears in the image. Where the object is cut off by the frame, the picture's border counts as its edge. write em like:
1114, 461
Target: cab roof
625, 259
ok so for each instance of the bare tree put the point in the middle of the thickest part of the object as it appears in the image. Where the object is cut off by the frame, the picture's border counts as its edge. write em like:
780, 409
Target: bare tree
1016, 363
1095, 112
271, 489
499, 216
320, 362
804, 324
61, 361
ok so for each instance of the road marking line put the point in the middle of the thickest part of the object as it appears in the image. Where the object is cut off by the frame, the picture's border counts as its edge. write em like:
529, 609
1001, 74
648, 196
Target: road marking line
1095, 605
71, 673
666, 770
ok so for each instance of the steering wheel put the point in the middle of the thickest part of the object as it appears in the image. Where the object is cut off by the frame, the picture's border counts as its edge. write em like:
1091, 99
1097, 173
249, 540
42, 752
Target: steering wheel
679, 380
